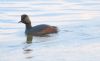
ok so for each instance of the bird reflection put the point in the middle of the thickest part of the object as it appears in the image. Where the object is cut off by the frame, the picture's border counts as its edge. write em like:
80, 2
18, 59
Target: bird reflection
28, 51
29, 39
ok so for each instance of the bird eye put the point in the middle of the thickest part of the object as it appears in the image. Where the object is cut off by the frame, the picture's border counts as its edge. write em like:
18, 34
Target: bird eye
23, 17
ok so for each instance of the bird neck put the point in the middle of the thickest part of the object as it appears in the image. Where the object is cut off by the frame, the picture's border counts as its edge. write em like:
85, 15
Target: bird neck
28, 26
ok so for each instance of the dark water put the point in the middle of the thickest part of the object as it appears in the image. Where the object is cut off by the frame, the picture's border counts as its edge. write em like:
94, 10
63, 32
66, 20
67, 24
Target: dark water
77, 40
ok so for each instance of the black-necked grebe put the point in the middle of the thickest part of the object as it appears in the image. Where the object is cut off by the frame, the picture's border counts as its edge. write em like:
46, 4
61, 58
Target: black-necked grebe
37, 30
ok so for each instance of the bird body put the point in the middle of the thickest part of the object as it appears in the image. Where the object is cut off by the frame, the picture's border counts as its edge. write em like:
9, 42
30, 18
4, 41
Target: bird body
37, 30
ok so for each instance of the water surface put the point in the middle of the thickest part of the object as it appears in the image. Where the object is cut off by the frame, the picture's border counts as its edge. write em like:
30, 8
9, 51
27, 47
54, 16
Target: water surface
77, 21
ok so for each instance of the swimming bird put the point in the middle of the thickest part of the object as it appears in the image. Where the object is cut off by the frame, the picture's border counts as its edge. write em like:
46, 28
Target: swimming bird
38, 30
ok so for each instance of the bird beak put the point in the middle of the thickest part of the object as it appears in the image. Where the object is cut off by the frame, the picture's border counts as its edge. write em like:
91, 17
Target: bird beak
19, 21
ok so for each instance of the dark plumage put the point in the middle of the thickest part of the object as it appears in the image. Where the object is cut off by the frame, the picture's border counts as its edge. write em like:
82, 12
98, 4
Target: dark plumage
38, 30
